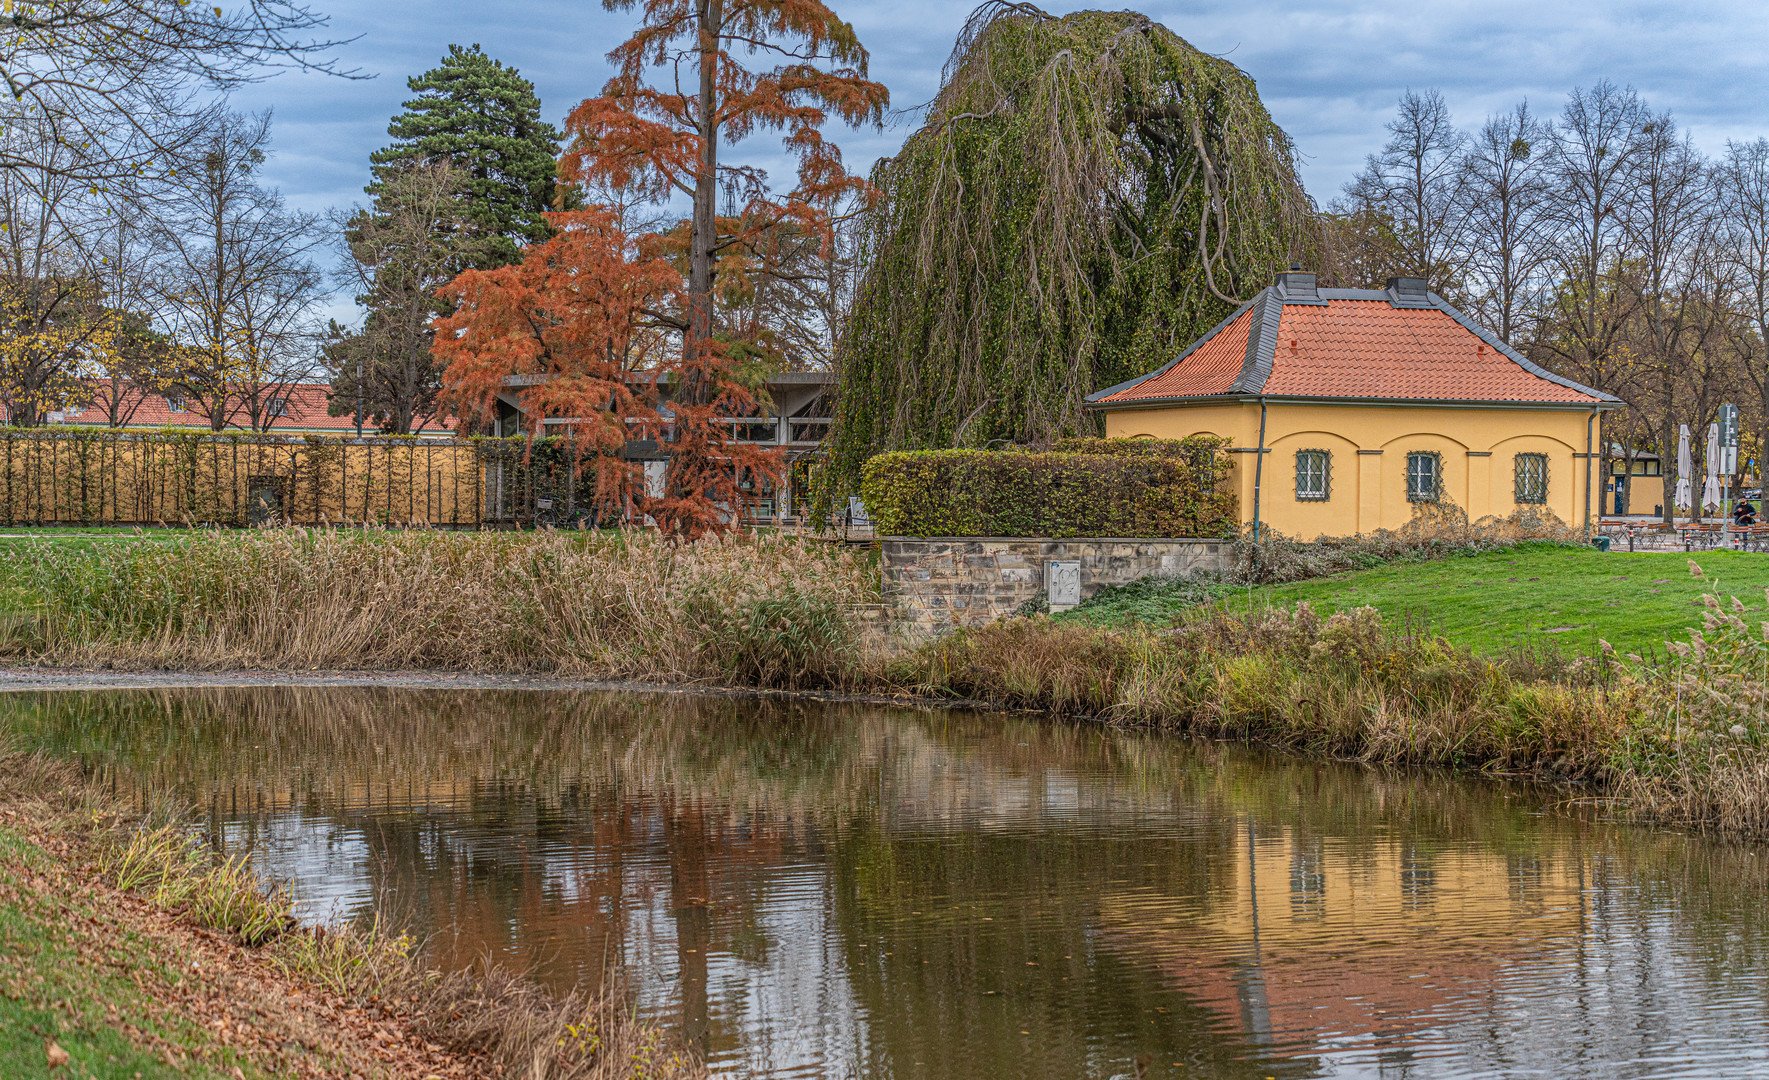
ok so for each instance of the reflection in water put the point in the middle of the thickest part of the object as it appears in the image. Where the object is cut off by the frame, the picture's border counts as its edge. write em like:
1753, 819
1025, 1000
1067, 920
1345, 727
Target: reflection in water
835, 891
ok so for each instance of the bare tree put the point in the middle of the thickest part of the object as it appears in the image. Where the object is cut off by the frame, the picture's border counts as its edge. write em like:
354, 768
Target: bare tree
1743, 182
1415, 181
1674, 280
52, 318
144, 361
238, 286
416, 237
1594, 146
1505, 187
131, 82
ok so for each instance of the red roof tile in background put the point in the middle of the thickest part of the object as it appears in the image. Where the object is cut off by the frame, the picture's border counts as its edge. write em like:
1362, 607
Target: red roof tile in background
1211, 368
304, 410
1369, 349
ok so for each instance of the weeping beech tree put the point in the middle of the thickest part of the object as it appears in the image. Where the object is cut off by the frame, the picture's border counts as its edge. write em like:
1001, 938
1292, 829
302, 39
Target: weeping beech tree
1089, 193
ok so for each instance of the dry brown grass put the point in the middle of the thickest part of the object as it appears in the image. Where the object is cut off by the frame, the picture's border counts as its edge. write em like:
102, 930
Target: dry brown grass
523, 1031
1436, 530
1345, 685
771, 610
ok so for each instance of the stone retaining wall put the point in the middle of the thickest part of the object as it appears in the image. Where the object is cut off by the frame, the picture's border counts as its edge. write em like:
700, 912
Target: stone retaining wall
940, 582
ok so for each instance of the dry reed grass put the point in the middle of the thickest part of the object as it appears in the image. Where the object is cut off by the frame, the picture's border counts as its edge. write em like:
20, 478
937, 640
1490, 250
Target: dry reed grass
1681, 739
768, 611
1346, 685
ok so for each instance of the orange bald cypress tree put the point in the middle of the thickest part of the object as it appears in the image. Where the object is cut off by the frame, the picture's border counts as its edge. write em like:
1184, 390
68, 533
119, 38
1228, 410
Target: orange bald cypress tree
679, 94
568, 321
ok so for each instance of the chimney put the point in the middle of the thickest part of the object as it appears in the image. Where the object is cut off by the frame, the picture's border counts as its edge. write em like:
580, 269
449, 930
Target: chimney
1295, 287
1408, 292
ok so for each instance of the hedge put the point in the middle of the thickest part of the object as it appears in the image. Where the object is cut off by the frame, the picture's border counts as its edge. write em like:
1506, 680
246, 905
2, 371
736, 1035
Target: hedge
72, 475
1087, 487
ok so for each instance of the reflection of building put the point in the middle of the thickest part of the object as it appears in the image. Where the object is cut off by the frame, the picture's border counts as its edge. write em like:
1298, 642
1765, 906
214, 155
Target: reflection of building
796, 411
839, 891
1323, 942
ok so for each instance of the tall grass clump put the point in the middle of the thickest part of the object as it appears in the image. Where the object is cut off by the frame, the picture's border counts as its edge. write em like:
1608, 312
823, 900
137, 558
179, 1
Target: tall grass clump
170, 867
1346, 685
766, 610
1706, 761
1682, 737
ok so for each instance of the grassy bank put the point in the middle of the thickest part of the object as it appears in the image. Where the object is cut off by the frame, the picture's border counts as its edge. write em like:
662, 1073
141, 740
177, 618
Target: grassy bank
1435, 670
1683, 740
1490, 601
128, 952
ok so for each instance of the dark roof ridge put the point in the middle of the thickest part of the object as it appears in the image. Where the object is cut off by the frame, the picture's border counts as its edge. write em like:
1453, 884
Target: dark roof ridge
1262, 343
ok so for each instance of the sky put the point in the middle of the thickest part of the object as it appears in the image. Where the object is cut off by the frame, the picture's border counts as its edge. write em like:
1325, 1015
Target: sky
1329, 71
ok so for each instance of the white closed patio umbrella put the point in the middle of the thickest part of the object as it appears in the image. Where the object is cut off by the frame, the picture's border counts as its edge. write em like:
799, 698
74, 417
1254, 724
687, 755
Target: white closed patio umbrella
1684, 497
1710, 489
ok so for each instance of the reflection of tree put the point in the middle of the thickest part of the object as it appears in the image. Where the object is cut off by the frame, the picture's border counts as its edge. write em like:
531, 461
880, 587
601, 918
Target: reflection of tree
973, 877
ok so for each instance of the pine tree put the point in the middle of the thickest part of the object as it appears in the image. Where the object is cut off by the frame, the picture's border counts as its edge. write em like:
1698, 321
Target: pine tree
484, 119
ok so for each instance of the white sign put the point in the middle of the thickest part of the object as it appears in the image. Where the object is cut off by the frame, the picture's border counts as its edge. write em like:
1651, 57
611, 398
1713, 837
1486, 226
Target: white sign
1062, 584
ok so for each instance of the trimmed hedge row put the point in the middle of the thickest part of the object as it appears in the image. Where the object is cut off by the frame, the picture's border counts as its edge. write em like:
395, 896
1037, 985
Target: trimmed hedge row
1087, 487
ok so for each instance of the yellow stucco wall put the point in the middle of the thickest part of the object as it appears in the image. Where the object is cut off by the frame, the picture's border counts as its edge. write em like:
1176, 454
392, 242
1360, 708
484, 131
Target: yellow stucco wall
1368, 445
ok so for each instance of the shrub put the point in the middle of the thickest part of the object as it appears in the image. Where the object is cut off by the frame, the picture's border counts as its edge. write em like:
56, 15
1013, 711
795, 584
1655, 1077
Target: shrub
1437, 531
1103, 487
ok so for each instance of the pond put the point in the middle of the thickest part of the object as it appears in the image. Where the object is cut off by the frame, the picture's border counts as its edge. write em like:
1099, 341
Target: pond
814, 890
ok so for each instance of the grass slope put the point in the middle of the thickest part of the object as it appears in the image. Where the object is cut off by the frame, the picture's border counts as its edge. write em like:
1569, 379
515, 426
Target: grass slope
1528, 596
65, 986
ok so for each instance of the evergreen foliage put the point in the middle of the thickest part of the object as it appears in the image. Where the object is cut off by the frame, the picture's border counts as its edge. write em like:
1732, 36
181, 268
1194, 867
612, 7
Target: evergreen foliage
1088, 195
483, 118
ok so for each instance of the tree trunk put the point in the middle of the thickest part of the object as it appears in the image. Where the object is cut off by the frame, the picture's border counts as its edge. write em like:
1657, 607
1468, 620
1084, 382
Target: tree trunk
1667, 465
704, 229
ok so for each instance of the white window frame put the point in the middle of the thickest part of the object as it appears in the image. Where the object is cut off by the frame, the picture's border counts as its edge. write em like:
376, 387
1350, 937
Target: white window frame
1314, 484
1416, 492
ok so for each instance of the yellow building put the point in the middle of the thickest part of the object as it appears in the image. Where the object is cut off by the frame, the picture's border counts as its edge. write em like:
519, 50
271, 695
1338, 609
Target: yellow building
1345, 407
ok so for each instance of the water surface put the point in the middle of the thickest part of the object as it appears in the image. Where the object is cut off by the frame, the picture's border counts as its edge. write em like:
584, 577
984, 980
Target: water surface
832, 891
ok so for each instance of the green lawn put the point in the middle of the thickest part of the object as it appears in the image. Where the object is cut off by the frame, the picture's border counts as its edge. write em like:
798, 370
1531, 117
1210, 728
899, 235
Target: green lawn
58, 982
1528, 596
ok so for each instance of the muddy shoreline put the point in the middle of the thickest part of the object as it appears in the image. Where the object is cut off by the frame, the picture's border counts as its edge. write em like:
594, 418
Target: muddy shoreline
56, 678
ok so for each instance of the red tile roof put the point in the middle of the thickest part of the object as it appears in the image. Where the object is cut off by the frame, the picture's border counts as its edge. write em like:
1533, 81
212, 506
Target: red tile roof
1345, 344
305, 411
1209, 367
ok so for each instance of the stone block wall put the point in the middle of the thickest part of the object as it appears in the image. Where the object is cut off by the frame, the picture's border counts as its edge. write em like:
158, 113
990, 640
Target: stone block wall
941, 582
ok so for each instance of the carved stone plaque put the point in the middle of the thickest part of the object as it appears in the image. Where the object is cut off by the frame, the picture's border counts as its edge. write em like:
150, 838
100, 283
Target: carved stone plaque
1062, 583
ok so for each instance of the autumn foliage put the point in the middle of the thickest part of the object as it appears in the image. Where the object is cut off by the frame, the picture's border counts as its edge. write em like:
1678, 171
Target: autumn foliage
634, 335
572, 313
